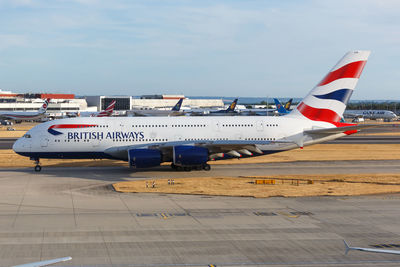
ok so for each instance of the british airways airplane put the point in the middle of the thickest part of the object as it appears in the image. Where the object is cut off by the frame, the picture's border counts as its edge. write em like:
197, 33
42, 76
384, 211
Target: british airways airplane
22, 115
190, 142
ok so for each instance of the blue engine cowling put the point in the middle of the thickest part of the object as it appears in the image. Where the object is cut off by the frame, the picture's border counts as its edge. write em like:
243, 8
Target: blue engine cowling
144, 158
190, 155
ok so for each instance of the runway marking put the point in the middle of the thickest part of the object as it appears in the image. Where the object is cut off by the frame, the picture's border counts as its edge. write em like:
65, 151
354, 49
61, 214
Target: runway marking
146, 214
301, 213
288, 214
259, 213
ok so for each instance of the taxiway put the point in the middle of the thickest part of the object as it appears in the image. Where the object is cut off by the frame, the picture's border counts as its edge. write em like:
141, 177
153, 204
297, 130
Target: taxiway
74, 212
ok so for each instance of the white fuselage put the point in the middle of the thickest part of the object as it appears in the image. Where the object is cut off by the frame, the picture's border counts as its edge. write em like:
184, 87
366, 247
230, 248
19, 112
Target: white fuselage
90, 137
21, 115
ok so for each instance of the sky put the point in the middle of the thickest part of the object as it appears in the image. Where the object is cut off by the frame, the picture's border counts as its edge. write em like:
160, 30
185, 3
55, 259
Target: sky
249, 48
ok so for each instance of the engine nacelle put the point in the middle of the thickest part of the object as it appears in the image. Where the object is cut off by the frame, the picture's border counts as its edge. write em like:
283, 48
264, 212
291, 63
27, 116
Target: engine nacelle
144, 158
190, 155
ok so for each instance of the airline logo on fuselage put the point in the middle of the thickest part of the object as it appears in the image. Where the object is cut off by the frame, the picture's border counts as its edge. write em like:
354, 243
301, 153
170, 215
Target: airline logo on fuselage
79, 134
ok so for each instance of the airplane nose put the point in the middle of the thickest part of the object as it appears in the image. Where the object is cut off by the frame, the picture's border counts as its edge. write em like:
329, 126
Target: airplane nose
17, 145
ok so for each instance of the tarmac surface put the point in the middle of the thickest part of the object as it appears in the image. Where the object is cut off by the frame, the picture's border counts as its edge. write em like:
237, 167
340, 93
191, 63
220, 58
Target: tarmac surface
74, 212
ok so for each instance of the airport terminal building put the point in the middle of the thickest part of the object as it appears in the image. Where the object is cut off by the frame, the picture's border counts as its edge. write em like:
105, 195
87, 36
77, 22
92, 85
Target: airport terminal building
62, 104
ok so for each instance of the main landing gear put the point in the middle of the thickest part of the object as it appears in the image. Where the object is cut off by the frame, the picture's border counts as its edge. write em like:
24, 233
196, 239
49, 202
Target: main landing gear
204, 166
37, 168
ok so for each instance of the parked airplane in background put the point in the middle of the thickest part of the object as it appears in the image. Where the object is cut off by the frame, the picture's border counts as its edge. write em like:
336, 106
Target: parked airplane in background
226, 112
387, 251
25, 115
279, 110
283, 110
107, 112
370, 114
175, 111
19, 116
190, 142
104, 113
230, 111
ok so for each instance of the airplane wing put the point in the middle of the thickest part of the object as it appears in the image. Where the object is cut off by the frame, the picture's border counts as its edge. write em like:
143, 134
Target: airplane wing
387, 251
342, 129
235, 148
44, 263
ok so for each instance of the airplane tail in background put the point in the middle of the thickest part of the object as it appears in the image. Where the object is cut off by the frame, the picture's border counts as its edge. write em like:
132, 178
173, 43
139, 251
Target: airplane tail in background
178, 105
327, 101
279, 107
43, 108
108, 111
232, 106
288, 104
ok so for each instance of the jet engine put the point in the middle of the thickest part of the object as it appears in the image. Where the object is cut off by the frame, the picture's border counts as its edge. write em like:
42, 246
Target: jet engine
190, 155
144, 158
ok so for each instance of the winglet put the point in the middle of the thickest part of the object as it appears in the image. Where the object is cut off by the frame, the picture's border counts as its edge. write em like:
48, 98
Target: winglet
346, 246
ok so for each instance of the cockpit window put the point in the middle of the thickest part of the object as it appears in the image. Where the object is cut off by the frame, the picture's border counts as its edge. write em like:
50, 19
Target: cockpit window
27, 136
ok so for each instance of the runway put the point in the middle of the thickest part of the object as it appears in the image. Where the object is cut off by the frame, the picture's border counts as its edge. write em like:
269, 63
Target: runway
73, 212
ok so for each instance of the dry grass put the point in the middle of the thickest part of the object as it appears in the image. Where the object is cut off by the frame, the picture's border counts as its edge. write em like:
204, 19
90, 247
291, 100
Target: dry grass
20, 130
322, 152
332, 185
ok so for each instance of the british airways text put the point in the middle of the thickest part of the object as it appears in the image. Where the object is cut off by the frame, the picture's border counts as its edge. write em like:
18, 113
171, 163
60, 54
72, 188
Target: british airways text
102, 135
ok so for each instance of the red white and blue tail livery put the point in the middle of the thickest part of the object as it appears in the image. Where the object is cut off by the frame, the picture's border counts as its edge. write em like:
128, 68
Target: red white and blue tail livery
328, 100
190, 142
108, 111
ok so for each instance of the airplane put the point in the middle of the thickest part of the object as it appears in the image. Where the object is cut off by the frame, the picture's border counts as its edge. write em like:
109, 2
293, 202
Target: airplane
44, 263
288, 104
190, 142
104, 113
18, 116
270, 111
283, 110
370, 114
175, 111
387, 251
107, 112
229, 111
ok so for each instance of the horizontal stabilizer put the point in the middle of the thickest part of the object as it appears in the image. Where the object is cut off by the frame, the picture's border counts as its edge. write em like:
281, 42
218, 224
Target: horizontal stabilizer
343, 129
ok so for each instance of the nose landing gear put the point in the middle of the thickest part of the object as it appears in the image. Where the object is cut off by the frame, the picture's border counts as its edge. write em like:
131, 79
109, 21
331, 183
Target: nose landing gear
37, 168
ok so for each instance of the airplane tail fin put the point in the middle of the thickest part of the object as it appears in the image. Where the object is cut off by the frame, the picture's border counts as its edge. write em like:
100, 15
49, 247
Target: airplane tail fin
43, 108
178, 105
327, 101
232, 106
108, 111
279, 107
288, 104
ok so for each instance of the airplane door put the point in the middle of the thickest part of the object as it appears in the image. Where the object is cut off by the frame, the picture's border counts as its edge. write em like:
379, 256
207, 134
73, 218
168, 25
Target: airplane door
44, 141
217, 126
260, 126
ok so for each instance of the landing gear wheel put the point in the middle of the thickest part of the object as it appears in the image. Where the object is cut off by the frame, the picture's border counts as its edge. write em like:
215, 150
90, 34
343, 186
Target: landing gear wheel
206, 167
38, 168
